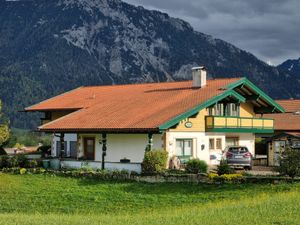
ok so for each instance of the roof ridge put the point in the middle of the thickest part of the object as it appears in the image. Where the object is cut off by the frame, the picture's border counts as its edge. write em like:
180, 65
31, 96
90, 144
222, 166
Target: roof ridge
168, 82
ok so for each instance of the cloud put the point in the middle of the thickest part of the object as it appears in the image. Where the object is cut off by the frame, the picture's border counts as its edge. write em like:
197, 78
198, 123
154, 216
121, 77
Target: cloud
269, 29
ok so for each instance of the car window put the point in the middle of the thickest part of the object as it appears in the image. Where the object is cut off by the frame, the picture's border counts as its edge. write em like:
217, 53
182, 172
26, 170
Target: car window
238, 149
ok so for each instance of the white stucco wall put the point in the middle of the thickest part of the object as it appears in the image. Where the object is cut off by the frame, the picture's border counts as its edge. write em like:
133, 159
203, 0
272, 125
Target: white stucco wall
131, 146
202, 138
97, 165
67, 137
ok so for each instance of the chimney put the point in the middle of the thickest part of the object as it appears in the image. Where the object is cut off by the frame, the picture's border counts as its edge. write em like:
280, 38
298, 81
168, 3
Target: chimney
199, 76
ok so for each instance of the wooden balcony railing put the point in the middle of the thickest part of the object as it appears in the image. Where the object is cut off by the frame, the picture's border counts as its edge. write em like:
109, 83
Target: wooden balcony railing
239, 124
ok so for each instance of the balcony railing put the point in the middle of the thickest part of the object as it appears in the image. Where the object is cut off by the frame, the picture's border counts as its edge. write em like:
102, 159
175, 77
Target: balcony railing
238, 124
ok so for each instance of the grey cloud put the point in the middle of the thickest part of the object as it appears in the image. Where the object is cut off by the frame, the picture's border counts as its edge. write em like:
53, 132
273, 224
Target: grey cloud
267, 28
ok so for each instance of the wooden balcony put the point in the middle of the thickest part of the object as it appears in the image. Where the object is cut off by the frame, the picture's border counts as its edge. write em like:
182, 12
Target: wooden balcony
238, 124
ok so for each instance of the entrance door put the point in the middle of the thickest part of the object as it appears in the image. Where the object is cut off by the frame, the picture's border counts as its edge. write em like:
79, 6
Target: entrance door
232, 141
89, 148
279, 147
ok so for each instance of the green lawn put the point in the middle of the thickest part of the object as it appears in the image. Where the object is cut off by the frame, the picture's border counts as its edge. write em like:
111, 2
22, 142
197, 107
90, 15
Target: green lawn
45, 199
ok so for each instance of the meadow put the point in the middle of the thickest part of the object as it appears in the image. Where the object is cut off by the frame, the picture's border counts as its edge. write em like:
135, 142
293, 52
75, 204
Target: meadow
46, 199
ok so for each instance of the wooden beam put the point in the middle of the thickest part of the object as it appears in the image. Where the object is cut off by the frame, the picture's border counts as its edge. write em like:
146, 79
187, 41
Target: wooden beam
62, 145
264, 109
104, 148
252, 97
150, 142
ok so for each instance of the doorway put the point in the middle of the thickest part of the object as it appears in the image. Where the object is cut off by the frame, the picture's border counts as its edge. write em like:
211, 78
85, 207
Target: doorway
89, 148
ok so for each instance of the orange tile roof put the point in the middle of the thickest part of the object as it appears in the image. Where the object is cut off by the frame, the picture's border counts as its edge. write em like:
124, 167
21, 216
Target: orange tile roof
288, 121
291, 105
131, 107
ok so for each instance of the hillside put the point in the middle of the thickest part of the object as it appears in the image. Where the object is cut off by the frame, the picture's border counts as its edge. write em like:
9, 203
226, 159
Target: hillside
291, 66
51, 46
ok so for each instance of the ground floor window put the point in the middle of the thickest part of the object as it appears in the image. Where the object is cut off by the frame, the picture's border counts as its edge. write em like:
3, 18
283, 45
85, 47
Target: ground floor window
73, 149
218, 143
184, 147
58, 151
232, 141
211, 143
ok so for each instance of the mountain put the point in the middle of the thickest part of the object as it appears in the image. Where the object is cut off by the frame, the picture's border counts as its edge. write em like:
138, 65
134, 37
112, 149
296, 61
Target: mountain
291, 66
51, 46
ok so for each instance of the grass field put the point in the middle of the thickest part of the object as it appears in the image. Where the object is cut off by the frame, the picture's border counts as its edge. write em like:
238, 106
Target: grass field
45, 199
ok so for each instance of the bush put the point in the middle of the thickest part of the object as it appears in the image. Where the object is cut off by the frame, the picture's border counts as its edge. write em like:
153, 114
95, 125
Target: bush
155, 162
45, 150
31, 163
290, 163
2, 151
224, 168
196, 166
4, 161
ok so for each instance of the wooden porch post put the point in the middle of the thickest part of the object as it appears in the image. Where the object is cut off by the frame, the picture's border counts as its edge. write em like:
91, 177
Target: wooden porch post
62, 145
104, 148
150, 141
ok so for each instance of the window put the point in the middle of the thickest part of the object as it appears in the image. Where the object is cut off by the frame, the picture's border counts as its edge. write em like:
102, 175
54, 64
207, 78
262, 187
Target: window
73, 149
58, 153
232, 141
211, 143
296, 144
218, 143
232, 109
184, 147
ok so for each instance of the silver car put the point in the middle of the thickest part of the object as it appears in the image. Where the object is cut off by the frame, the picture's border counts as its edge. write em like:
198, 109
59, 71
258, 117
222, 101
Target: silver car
238, 156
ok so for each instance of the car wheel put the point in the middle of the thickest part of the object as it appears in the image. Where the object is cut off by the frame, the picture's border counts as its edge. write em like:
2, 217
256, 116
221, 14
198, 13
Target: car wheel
248, 167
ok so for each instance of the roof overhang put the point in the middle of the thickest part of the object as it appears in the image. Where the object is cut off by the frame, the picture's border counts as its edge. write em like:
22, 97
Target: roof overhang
107, 130
195, 110
263, 103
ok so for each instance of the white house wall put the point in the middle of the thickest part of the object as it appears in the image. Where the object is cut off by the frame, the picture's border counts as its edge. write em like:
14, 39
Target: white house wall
202, 138
67, 138
131, 146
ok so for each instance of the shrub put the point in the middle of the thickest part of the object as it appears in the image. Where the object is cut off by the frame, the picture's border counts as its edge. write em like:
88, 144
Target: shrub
4, 161
290, 163
2, 151
224, 168
31, 163
155, 162
22, 171
45, 150
212, 176
196, 166
20, 160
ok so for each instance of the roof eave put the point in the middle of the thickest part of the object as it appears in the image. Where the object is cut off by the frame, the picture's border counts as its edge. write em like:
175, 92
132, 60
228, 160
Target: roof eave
268, 99
196, 109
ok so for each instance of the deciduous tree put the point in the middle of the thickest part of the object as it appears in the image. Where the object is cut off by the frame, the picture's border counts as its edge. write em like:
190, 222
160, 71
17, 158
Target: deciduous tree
4, 127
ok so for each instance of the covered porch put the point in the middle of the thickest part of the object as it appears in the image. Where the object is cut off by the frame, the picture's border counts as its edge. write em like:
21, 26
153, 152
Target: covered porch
112, 151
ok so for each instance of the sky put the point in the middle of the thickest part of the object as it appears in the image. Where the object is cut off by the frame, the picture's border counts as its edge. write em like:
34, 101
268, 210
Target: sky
269, 29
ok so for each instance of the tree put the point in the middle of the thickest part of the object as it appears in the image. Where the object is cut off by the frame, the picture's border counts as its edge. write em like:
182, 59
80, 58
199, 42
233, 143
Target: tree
4, 127
290, 162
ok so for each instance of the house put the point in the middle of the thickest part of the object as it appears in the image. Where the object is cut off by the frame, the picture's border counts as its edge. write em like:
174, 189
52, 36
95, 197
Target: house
287, 130
191, 119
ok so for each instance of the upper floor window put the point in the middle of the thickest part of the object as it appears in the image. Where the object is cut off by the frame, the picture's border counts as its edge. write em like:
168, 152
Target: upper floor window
221, 109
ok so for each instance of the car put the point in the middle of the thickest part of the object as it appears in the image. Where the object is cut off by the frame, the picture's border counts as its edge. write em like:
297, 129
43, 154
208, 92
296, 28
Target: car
238, 156
215, 158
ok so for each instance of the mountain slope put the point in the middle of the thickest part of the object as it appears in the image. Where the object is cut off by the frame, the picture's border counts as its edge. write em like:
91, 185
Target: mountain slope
50, 46
291, 66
